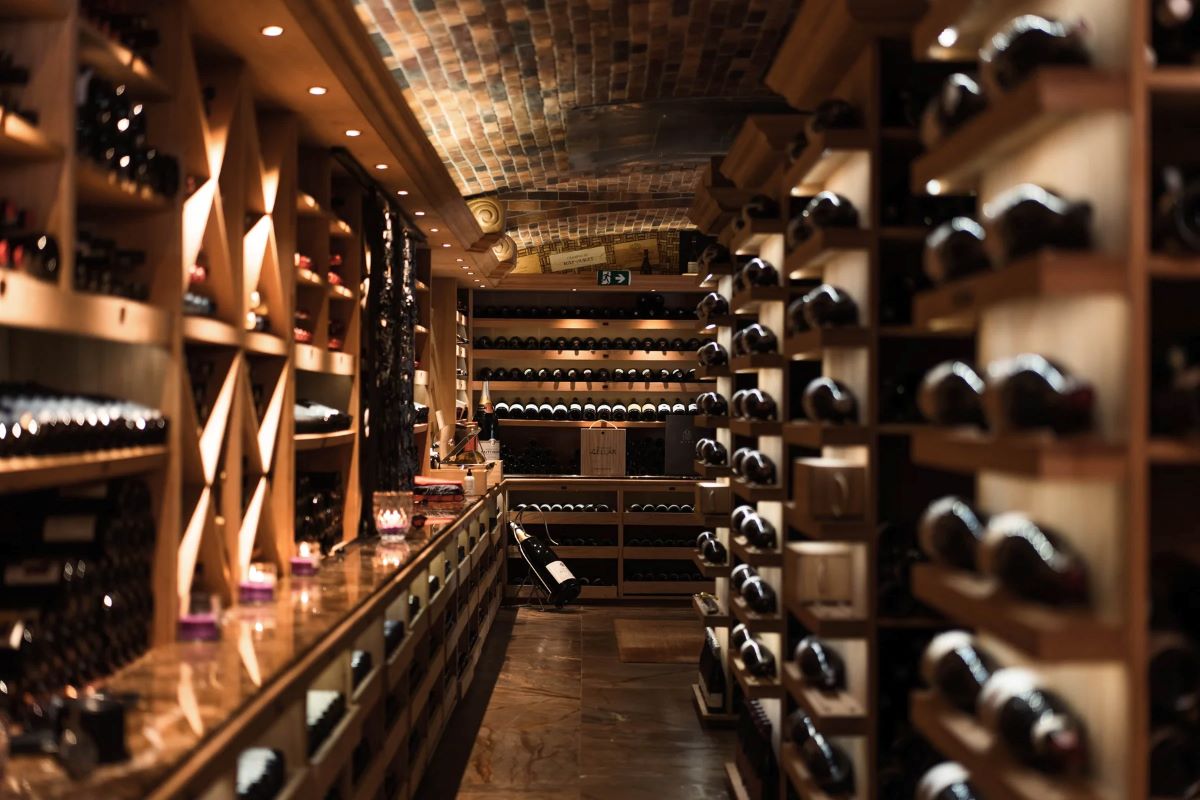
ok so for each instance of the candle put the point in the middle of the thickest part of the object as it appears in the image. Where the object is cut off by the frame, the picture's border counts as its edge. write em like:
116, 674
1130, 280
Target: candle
393, 513
199, 622
307, 561
259, 585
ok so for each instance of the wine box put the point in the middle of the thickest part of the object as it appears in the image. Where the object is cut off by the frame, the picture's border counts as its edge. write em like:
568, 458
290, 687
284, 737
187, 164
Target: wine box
823, 577
602, 450
713, 498
829, 488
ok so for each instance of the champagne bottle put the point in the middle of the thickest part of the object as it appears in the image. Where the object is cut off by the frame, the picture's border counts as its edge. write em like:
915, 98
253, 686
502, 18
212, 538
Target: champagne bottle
956, 249
826, 400
820, 666
1027, 218
1035, 724
489, 426
555, 578
1033, 562
1027, 43
947, 781
952, 394
1029, 391
957, 668
951, 532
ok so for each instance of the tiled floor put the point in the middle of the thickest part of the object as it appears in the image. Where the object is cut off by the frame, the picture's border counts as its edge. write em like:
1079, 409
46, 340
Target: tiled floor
553, 714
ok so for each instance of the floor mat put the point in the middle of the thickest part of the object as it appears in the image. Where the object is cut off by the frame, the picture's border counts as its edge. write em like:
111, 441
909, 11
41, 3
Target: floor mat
658, 641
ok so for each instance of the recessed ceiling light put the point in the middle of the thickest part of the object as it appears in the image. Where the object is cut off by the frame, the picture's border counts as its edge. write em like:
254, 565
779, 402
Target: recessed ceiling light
353, 132
445, 244
934, 187
403, 192
381, 166
469, 272
433, 230
948, 37
419, 213
317, 91
464, 266
458, 259
272, 31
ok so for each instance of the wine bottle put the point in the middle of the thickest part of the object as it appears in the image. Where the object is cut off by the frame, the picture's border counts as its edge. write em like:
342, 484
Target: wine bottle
758, 338
825, 306
758, 469
711, 452
561, 412
516, 410
739, 575
1035, 724
759, 595
820, 666
959, 99
619, 412
1027, 218
825, 210
1174, 34
756, 272
952, 394
956, 249
713, 551
649, 412
589, 410
1175, 763
1033, 562
739, 459
713, 355
759, 532
545, 410
1027, 43
1176, 216
556, 580
1029, 391
662, 410
957, 668
757, 658
633, 412
712, 404
711, 307
489, 426
951, 532
1174, 681
828, 764
834, 114
826, 400
947, 781
759, 405
759, 207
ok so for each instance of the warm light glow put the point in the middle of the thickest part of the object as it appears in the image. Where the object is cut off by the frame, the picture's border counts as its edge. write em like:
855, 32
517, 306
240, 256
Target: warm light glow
272, 31
381, 166
433, 230
469, 272
948, 37
934, 187
353, 132
317, 91
458, 259
403, 192
445, 244
418, 213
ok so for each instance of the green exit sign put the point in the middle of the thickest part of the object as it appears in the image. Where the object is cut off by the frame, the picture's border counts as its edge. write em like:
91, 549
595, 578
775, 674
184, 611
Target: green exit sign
613, 277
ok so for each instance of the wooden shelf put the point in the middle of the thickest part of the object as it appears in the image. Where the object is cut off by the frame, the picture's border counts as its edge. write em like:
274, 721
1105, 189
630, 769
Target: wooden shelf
754, 427
707, 717
95, 188
800, 778
22, 142
1045, 632
751, 300
16, 10
709, 570
815, 435
23, 473
753, 493
809, 259
754, 556
568, 517
572, 423
1051, 97
970, 20
637, 387
314, 359
710, 471
209, 330
1173, 451
826, 530
1171, 267
714, 372
811, 345
533, 356
753, 687
640, 553
662, 519
266, 344
118, 64
757, 361
749, 239
758, 623
835, 713
705, 421
962, 738
1032, 455
32, 304
1172, 80
581, 552
589, 324
829, 621
1049, 273
323, 441
826, 153
665, 587
598, 593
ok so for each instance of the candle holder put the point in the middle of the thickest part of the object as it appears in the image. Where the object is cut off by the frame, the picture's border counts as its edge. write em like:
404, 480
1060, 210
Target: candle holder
259, 584
199, 622
307, 561
393, 514
392, 555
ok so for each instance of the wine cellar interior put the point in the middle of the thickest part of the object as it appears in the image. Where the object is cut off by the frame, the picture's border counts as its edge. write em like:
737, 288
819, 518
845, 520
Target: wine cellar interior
766, 399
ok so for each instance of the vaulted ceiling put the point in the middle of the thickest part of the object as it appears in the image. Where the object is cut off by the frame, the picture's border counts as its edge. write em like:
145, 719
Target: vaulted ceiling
493, 82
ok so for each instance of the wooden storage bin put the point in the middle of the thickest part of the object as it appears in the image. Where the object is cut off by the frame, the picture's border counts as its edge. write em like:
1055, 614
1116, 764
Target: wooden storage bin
829, 488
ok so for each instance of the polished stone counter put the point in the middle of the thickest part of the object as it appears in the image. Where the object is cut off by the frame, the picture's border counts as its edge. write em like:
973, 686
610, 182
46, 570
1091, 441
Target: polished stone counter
190, 703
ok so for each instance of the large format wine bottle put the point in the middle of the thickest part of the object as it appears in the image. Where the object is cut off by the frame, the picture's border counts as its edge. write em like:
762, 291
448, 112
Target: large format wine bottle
1030, 391
820, 666
1033, 562
1034, 723
954, 666
951, 394
489, 426
950, 532
1027, 43
556, 579
947, 781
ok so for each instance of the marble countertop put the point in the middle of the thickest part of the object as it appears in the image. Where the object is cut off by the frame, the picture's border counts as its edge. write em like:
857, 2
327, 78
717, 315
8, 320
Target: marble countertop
184, 694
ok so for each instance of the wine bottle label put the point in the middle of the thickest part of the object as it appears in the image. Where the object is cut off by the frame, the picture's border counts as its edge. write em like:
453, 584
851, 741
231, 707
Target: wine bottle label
558, 570
490, 449
70, 528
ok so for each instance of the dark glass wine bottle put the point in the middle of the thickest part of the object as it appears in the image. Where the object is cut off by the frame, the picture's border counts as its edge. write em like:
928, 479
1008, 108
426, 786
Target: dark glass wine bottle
825, 306
1027, 218
711, 307
759, 405
759, 338
824, 210
820, 666
759, 595
757, 658
947, 781
756, 272
957, 668
556, 580
1035, 724
951, 532
952, 394
959, 99
711, 452
713, 355
1029, 391
758, 531
1175, 763
1176, 212
712, 404
489, 426
1174, 681
956, 249
826, 400
758, 469
1026, 43
1033, 562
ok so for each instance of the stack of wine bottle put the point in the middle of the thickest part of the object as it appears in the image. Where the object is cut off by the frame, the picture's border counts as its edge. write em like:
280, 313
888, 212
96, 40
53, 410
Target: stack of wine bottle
758, 531
36, 420
587, 375
535, 458
660, 508
577, 344
648, 305
24, 248
567, 508
656, 539
661, 571
753, 589
324, 709
573, 410
75, 592
319, 507
261, 773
